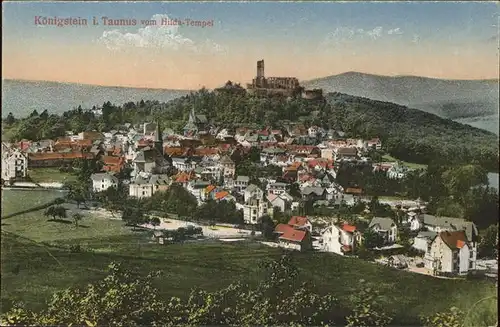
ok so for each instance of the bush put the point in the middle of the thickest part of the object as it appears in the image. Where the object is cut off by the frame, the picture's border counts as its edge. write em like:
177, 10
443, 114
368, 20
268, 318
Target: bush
75, 248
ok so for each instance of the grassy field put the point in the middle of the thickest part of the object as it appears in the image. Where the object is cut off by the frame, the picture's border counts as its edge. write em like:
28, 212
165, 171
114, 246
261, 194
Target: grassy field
32, 271
50, 175
387, 157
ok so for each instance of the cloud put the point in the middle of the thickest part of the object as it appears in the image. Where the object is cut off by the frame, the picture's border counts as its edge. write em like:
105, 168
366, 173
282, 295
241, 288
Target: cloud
415, 38
156, 36
396, 31
345, 34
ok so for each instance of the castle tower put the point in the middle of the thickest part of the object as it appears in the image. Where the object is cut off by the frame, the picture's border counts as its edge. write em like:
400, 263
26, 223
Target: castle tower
260, 68
260, 80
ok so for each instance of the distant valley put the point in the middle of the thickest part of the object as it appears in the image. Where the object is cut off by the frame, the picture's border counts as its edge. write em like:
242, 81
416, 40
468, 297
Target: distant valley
473, 102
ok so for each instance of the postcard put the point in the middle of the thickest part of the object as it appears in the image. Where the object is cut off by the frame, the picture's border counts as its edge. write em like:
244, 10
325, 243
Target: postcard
249, 163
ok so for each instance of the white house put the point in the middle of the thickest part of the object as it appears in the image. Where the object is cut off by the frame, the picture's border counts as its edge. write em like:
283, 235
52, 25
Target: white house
277, 188
182, 164
386, 227
228, 166
241, 182
253, 210
423, 240
340, 239
450, 252
196, 188
103, 181
253, 191
144, 186
414, 221
14, 163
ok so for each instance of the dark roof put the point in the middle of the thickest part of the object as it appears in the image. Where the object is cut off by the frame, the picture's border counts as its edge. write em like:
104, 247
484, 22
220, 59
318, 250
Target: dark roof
454, 240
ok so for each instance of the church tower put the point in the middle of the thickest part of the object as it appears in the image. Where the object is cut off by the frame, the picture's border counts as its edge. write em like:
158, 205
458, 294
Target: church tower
158, 141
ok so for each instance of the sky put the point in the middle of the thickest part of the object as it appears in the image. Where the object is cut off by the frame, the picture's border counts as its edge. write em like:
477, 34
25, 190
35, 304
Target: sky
307, 40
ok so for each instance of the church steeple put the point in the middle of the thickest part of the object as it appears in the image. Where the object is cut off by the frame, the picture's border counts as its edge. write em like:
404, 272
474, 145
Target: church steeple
158, 141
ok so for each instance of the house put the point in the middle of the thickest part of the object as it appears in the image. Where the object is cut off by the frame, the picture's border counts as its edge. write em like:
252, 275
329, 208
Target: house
313, 193
386, 227
340, 239
182, 164
57, 159
424, 240
196, 187
300, 222
451, 253
414, 221
228, 166
397, 172
347, 153
253, 209
145, 185
293, 239
14, 163
438, 224
103, 181
241, 182
277, 188
253, 191
279, 201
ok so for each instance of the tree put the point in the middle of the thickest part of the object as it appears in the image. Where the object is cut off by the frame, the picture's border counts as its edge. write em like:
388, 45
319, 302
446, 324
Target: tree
452, 318
155, 221
176, 200
10, 119
133, 216
489, 242
367, 311
55, 211
77, 192
372, 239
76, 218
459, 180
267, 226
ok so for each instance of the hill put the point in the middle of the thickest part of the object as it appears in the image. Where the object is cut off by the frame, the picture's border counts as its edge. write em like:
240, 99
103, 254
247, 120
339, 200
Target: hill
453, 99
21, 97
413, 135
32, 272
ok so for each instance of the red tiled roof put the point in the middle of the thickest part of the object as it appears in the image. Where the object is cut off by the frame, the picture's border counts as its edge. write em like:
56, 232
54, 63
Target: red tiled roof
298, 221
183, 177
174, 151
59, 156
281, 228
454, 240
352, 190
349, 228
221, 195
84, 142
209, 188
295, 235
206, 151
111, 160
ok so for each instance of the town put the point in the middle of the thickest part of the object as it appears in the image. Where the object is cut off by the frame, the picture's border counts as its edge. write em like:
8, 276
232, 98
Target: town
296, 201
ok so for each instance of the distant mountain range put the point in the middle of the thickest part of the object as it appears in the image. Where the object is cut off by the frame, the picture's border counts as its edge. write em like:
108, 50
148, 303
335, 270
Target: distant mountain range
473, 102
21, 97
453, 99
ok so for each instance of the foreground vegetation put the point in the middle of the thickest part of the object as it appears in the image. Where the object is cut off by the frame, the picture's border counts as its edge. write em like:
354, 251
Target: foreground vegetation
32, 271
